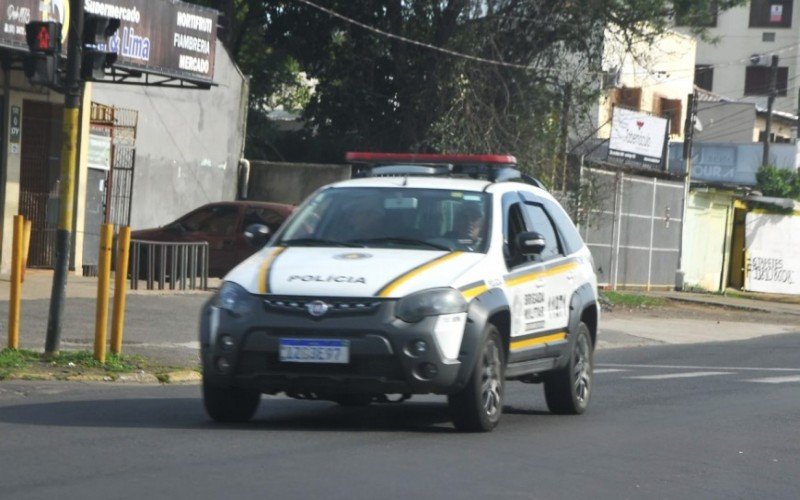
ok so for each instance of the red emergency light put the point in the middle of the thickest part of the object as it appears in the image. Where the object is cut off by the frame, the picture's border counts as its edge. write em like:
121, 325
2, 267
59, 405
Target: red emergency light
427, 158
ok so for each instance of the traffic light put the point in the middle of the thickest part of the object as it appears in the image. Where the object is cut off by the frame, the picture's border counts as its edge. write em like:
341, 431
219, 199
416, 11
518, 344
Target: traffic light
44, 44
96, 53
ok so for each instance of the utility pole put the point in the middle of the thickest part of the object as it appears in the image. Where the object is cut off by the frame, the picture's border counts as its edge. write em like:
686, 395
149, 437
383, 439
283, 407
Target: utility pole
688, 140
73, 91
773, 91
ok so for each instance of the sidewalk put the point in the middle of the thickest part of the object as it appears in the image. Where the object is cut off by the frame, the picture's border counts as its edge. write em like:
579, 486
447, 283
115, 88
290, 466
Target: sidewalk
783, 304
38, 285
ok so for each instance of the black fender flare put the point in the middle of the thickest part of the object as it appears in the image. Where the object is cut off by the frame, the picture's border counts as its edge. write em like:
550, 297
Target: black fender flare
479, 310
582, 298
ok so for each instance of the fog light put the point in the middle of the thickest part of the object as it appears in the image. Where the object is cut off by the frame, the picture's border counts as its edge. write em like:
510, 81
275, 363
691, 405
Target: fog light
427, 371
223, 365
226, 341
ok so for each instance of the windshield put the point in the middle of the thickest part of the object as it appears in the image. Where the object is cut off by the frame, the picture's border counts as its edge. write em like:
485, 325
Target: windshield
392, 218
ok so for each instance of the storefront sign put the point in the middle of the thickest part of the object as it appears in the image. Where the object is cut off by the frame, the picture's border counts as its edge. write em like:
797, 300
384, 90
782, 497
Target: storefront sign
637, 136
773, 262
15, 128
163, 37
99, 152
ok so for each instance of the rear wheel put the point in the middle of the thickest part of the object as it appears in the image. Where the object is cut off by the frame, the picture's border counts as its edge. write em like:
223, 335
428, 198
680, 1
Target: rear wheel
568, 390
230, 404
479, 405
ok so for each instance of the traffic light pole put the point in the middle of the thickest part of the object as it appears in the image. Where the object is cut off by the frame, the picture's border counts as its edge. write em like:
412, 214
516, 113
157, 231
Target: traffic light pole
73, 88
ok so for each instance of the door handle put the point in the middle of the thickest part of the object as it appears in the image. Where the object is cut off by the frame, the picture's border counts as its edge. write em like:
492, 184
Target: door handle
570, 276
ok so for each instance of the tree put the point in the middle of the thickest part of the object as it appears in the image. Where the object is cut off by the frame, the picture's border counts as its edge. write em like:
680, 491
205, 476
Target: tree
778, 182
491, 77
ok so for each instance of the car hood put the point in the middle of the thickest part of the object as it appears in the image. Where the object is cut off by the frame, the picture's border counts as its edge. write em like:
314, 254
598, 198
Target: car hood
344, 272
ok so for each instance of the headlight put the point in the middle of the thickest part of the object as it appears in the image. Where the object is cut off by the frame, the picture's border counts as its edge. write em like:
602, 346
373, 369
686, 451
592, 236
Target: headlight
415, 307
233, 298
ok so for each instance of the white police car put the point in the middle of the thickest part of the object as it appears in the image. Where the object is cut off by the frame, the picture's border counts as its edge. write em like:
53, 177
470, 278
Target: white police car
443, 274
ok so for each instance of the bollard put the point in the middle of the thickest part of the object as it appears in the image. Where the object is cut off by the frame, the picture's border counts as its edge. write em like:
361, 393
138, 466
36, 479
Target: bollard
26, 238
120, 272
103, 272
16, 284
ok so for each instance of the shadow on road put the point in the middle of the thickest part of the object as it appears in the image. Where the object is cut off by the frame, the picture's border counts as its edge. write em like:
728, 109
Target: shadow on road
273, 415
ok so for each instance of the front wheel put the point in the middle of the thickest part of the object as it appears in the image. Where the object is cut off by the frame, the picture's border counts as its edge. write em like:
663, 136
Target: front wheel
230, 404
479, 405
567, 390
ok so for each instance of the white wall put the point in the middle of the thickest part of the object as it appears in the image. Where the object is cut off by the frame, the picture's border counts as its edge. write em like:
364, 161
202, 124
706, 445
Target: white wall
773, 259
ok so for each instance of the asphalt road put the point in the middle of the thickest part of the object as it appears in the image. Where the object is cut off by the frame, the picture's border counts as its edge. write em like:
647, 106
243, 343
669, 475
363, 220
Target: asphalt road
704, 421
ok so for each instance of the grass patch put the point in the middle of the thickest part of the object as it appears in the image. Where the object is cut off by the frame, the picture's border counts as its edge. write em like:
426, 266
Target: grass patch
632, 300
23, 363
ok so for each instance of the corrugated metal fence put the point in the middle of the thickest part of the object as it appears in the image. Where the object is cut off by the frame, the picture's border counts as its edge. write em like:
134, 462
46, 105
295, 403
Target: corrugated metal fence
634, 230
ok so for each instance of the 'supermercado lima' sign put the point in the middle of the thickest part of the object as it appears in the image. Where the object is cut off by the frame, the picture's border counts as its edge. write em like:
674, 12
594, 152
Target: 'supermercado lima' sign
164, 37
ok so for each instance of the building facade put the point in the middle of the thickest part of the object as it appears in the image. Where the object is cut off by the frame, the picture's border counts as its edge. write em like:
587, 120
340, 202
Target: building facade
161, 135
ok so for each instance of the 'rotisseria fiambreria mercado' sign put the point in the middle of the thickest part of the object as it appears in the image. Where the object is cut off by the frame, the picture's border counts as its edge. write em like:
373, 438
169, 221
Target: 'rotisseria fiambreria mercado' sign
164, 37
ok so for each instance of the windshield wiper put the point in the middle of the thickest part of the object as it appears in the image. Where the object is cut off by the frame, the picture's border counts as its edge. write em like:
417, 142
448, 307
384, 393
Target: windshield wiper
408, 241
316, 242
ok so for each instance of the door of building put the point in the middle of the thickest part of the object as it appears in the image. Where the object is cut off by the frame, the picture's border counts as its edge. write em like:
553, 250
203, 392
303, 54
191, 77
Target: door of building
736, 271
39, 175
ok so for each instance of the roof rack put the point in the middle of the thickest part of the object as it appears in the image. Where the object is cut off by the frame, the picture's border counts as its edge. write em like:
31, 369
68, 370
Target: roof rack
494, 168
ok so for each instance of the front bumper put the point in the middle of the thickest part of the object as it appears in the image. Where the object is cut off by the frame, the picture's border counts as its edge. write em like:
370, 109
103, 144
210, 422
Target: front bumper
381, 358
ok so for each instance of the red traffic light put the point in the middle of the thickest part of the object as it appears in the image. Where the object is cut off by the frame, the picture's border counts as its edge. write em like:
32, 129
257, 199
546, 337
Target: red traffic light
43, 37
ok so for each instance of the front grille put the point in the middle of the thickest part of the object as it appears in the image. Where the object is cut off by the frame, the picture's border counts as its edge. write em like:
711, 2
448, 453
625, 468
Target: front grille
334, 305
383, 367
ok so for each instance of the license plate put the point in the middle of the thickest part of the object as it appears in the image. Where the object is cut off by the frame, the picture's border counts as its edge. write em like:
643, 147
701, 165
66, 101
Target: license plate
314, 351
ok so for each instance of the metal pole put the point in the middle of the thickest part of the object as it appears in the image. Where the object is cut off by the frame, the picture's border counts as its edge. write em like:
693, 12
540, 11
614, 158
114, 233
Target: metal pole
688, 144
773, 91
120, 272
103, 283
72, 105
15, 299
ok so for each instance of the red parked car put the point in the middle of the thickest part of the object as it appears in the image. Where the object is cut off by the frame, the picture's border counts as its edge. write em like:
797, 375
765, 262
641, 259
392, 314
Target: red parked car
222, 225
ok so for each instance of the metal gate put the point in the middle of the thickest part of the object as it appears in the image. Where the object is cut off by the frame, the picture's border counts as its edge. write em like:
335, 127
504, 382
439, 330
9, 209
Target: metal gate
120, 126
39, 174
634, 231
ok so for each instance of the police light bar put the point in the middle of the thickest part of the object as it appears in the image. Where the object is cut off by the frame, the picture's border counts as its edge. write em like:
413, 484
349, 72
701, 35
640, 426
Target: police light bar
427, 158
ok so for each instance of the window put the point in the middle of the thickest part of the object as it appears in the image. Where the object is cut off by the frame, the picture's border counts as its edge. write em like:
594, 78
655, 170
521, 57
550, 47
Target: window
264, 216
670, 109
541, 223
771, 13
704, 76
627, 97
756, 80
572, 240
515, 224
213, 220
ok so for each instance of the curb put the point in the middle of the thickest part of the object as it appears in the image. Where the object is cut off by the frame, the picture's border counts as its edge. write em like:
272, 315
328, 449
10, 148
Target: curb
739, 307
176, 377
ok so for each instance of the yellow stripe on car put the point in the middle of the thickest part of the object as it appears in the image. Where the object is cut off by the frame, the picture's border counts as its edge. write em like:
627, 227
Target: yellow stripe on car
263, 273
523, 344
471, 293
394, 285
541, 274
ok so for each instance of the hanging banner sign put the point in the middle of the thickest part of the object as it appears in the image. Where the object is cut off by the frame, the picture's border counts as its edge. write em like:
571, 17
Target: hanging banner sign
162, 37
637, 136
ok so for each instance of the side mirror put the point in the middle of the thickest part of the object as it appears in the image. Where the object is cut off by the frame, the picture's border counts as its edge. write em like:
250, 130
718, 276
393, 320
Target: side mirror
257, 235
530, 243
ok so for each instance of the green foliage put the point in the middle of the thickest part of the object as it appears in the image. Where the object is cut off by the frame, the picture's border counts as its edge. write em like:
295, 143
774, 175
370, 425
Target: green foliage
778, 182
632, 300
375, 92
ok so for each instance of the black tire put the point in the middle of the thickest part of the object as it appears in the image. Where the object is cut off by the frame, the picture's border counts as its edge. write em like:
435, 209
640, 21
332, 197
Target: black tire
479, 405
230, 404
569, 389
353, 400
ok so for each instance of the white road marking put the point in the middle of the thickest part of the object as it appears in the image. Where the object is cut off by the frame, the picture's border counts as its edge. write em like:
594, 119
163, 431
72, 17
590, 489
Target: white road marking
609, 370
689, 367
775, 380
678, 375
